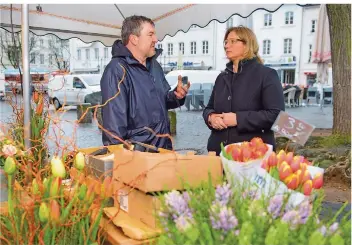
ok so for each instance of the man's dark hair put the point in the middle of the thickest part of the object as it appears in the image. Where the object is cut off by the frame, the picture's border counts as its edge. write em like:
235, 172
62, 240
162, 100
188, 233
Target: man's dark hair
133, 25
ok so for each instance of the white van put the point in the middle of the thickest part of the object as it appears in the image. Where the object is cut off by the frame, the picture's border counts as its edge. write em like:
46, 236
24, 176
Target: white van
72, 89
2, 86
194, 76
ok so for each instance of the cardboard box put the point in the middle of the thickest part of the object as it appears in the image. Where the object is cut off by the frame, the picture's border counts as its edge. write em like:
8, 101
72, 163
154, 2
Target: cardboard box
114, 234
153, 172
137, 204
100, 165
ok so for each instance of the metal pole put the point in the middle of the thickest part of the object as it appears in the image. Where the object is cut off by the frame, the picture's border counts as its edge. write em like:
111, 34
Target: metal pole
26, 76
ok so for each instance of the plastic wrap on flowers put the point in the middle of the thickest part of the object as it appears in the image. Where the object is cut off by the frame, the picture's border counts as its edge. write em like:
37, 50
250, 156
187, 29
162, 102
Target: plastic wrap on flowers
241, 160
285, 174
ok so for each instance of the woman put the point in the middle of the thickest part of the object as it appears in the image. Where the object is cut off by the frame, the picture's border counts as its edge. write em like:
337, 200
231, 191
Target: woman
247, 96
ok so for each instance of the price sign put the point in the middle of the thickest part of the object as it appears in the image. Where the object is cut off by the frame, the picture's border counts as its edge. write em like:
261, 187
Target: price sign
292, 128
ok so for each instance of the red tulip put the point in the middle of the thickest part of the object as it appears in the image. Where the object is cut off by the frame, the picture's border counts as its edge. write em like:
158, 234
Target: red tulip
246, 154
305, 176
284, 171
245, 144
263, 148
256, 141
289, 157
295, 164
281, 157
237, 154
39, 109
318, 181
307, 187
54, 211
291, 181
265, 165
272, 160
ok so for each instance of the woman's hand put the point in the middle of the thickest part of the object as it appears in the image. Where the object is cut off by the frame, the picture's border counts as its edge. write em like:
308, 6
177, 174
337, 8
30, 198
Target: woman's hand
230, 119
217, 122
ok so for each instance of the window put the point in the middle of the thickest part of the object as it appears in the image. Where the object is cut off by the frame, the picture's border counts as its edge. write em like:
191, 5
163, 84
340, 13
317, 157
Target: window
79, 54
193, 48
96, 51
314, 23
77, 83
170, 49
32, 58
229, 23
160, 46
106, 53
41, 59
310, 53
41, 42
266, 47
50, 59
205, 47
87, 54
268, 19
288, 46
289, 18
181, 48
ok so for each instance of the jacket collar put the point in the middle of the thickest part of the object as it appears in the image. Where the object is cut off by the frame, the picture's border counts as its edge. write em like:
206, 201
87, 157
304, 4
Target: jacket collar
242, 65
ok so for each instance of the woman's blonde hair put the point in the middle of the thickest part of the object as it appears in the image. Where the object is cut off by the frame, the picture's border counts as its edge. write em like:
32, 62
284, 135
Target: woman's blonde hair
247, 36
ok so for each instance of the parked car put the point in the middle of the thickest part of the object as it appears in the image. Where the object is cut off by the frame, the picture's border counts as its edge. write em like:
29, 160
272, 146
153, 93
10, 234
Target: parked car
72, 89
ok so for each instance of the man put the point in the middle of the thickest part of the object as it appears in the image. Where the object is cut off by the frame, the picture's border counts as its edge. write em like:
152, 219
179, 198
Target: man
144, 94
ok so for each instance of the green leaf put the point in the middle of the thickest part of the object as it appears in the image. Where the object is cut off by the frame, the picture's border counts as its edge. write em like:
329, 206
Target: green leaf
271, 238
316, 239
192, 234
336, 239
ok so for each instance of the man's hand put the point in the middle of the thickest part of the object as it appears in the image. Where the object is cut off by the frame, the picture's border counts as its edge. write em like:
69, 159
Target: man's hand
230, 119
181, 90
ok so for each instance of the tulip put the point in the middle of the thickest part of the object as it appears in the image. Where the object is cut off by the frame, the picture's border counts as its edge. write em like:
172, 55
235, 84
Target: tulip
55, 187
39, 109
295, 164
299, 176
265, 165
284, 171
43, 212
272, 160
10, 166
256, 141
58, 168
54, 211
82, 192
291, 181
281, 157
307, 187
35, 187
9, 150
246, 154
237, 154
318, 181
245, 144
305, 176
79, 161
289, 157
36, 97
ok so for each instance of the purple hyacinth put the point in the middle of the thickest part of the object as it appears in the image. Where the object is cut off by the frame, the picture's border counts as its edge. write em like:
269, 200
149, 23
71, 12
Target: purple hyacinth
292, 217
222, 218
177, 204
183, 223
322, 230
333, 228
251, 194
275, 206
305, 210
223, 194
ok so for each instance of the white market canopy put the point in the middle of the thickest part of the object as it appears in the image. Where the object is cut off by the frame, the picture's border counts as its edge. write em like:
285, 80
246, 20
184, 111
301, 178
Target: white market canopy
102, 22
